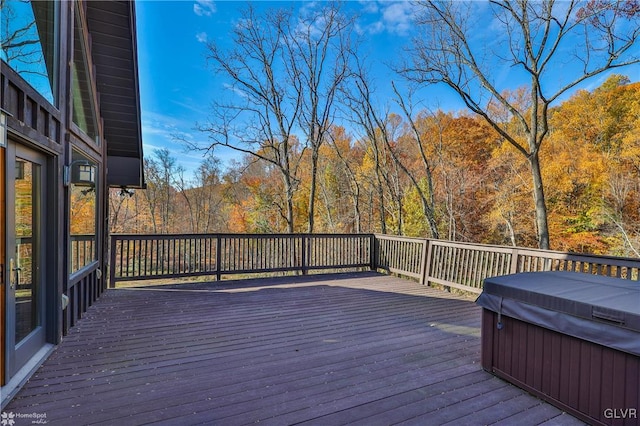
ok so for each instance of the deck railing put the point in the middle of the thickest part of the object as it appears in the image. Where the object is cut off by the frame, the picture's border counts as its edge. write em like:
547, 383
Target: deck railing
401, 255
140, 257
451, 264
83, 251
466, 265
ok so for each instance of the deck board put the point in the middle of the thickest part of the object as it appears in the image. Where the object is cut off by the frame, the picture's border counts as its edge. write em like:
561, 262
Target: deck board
359, 348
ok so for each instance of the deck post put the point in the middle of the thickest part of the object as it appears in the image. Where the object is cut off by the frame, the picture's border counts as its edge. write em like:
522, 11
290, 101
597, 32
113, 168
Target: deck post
425, 262
514, 260
112, 262
218, 258
305, 254
373, 252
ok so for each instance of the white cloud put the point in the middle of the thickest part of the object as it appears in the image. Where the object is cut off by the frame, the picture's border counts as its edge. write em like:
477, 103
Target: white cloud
308, 7
161, 131
201, 37
368, 6
162, 126
370, 29
204, 7
398, 17
395, 17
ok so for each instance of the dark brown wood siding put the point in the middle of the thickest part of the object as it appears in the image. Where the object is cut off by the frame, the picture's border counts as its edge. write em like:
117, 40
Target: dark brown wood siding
47, 128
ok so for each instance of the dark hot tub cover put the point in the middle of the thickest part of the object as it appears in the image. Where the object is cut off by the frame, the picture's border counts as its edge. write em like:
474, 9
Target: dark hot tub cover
598, 309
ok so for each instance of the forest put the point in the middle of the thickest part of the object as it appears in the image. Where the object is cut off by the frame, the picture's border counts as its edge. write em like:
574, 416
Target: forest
545, 151
479, 186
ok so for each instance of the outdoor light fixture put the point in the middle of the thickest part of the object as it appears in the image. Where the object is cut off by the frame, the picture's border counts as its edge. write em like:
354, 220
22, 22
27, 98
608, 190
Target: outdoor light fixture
80, 173
3, 128
86, 173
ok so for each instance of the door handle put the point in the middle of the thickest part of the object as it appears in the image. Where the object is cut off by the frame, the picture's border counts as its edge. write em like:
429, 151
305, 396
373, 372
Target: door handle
14, 276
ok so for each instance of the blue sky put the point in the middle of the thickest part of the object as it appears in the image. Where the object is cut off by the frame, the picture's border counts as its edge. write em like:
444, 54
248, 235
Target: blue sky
177, 87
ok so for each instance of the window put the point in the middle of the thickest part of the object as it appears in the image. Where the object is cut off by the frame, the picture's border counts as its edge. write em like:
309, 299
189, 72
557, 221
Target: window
84, 114
28, 34
83, 211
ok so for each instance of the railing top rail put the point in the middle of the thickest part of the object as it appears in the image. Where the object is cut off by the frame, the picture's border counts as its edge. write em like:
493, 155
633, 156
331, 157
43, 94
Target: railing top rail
401, 238
235, 235
460, 244
591, 258
537, 252
485, 247
82, 236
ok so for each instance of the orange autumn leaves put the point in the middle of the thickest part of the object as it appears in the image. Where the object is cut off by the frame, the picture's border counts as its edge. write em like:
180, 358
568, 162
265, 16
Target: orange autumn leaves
481, 187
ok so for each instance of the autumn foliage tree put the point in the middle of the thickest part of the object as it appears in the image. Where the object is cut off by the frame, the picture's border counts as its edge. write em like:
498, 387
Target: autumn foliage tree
325, 147
535, 39
284, 71
480, 184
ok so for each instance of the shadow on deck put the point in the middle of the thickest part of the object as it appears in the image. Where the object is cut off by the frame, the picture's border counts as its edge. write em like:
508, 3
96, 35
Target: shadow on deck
359, 348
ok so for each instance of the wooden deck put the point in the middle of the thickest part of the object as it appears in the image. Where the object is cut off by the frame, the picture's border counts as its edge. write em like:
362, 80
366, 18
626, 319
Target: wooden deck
358, 348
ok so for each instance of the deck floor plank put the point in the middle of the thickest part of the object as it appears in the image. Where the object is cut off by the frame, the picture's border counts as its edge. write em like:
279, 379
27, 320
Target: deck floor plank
360, 348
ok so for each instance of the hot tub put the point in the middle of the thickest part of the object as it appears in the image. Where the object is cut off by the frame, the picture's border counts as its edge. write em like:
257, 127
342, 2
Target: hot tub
572, 339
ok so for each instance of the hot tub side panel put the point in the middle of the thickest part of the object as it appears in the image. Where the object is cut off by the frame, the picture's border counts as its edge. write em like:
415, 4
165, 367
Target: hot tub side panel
595, 383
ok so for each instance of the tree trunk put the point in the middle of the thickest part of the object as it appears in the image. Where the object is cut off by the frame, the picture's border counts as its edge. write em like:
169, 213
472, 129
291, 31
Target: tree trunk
288, 186
312, 189
356, 210
383, 217
512, 234
540, 203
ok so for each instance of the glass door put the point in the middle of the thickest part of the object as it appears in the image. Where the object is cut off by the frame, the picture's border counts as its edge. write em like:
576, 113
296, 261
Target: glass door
25, 260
